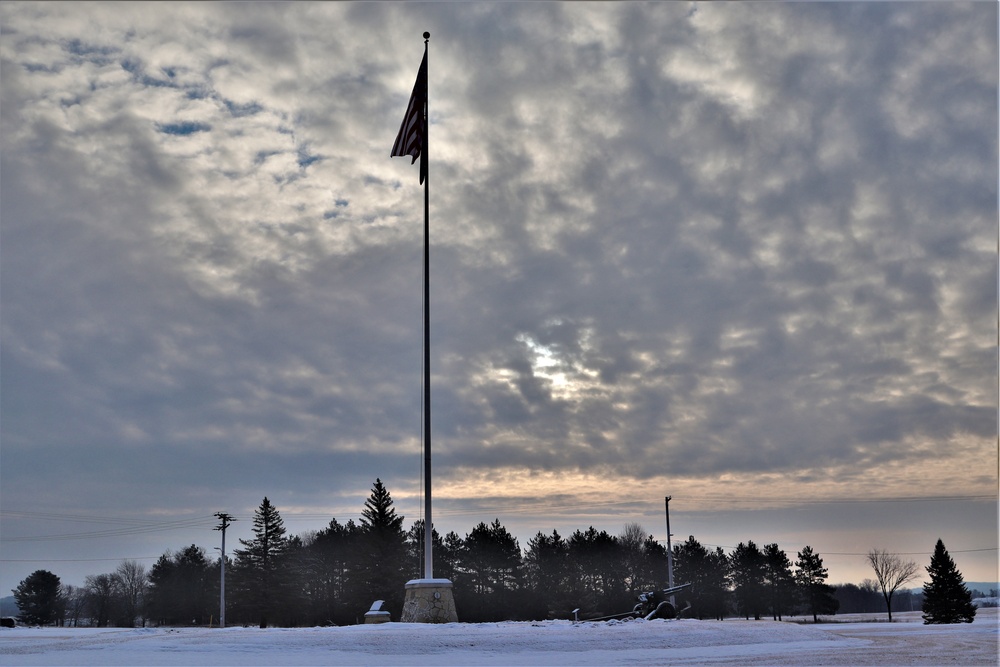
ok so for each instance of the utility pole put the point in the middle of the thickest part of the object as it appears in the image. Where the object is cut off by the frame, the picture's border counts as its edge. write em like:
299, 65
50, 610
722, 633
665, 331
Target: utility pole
225, 520
670, 552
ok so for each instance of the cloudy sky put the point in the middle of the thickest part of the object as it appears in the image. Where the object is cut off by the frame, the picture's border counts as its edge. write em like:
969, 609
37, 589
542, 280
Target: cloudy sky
744, 255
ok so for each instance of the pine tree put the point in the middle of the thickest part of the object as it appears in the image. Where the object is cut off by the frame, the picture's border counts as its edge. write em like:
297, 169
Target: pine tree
491, 564
39, 598
415, 552
811, 579
779, 583
162, 603
259, 564
707, 572
600, 581
747, 571
946, 599
652, 574
383, 572
379, 516
336, 551
547, 573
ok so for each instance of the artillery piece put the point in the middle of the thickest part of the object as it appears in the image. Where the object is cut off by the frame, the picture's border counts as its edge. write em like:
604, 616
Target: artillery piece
651, 604
656, 604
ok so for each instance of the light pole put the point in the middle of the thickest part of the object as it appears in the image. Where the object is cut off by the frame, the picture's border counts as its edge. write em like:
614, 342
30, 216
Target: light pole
225, 520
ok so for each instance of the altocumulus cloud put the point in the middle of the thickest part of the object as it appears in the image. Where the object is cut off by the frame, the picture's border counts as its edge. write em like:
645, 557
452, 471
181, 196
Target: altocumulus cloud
668, 242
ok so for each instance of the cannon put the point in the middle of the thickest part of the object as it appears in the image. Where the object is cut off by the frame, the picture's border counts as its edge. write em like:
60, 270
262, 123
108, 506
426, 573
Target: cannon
650, 605
656, 604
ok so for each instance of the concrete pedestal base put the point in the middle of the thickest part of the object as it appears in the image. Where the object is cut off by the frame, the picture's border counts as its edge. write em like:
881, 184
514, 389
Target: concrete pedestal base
429, 601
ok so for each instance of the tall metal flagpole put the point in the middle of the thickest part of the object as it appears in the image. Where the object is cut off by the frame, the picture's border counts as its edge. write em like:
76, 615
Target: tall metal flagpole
670, 552
428, 525
428, 600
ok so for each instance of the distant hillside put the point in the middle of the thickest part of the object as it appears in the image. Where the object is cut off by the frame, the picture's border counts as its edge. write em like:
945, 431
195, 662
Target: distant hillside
983, 587
8, 607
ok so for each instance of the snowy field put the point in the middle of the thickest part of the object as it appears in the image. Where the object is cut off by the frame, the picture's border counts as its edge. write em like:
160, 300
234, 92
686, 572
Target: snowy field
853, 640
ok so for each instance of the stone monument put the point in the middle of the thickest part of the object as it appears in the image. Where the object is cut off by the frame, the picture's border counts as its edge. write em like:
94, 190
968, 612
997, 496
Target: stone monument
376, 614
429, 601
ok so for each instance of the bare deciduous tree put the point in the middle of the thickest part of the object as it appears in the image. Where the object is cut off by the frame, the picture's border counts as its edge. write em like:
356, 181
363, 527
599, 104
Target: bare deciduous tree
76, 601
891, 571
101, 590
132, 583
631, 539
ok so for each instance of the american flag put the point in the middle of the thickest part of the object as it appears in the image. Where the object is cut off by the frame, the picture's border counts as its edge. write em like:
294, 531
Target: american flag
411, 137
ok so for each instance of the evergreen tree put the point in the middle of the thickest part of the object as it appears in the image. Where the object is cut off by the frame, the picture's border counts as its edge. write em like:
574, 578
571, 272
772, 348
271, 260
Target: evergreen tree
335, 550
597, 563
451, 551
946, 598
382, 568
259, 564
379, 515
298, 570
39, 598
162, 598
706, 571
183, 588
196, 586
779, 583
506, 563
722, 573
652, 572
491, 562
443, 567
811, 577
747, 571
547, 573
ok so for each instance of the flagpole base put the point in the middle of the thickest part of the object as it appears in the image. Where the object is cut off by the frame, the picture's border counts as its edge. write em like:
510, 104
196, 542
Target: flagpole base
429, 601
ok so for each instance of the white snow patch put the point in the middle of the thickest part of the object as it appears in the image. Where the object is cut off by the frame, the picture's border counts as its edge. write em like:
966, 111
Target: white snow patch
550, 643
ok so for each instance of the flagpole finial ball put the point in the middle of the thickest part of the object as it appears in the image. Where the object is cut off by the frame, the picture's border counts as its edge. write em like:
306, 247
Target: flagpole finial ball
427, 35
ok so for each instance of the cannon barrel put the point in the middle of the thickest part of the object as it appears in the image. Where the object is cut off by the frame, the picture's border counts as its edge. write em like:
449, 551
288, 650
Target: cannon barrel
674, 589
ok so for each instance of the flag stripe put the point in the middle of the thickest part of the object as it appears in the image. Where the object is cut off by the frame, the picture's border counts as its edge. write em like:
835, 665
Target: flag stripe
410, 140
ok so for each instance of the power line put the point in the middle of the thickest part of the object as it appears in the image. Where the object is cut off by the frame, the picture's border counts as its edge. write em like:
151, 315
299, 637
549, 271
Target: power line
831, 501
131, 527
846, 553
134, 526
73, 560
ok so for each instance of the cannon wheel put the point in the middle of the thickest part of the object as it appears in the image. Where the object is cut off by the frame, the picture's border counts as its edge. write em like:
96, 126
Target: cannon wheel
663, 610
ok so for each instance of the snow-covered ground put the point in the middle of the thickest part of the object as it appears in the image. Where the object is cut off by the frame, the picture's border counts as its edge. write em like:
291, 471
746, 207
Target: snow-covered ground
852, 640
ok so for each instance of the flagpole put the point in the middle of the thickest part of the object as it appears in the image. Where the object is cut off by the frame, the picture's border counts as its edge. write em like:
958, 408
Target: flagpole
425, 158
428, 600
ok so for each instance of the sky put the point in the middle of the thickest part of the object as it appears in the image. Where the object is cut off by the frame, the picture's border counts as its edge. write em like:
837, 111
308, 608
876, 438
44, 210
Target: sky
740, 255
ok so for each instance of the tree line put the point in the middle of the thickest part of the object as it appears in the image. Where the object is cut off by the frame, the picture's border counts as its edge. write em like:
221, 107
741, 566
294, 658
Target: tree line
331, 576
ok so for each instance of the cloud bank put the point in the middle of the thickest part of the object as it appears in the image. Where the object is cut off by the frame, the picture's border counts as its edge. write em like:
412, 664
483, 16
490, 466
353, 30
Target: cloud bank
719, 247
